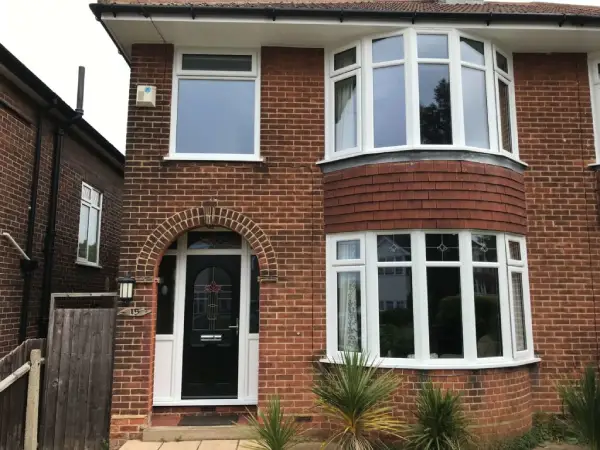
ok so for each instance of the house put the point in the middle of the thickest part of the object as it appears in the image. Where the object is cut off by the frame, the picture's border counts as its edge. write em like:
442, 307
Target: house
410, 179
61, 185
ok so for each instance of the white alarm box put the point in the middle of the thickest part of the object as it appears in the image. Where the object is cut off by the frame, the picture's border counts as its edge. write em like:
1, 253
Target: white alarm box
146, 96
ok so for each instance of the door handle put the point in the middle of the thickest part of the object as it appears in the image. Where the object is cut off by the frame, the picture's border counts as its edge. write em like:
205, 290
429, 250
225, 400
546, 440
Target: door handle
236, 326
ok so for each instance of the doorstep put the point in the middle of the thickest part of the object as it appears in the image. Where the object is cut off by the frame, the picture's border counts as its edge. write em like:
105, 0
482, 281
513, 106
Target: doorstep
221, 433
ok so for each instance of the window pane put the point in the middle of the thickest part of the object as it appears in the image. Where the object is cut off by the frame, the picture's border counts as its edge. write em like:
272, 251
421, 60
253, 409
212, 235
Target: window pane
501, 62
93, 236
345, 114
389, 106
348, 249
487, 312
475, 108
344, 59
95, 200
396, 329
514, 250
348, 294
393, 247
505, 128
434, 104
166, 295
83, 231
484, 248
441, 247
213, 240
86, 192
215, 116
173, 245
388, 49
519, 310
472, 51
221, 63
254, 294
445, 314
432, 46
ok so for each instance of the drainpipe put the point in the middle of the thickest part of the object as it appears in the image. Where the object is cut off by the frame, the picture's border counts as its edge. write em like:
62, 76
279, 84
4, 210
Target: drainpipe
49, 239
29, 266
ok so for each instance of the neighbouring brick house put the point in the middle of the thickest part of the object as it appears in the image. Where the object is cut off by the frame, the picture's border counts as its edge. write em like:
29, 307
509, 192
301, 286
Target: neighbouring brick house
61, 184
410, 179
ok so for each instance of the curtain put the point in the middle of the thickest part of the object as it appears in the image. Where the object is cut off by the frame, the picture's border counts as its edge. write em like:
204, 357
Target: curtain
345, 113
348, 300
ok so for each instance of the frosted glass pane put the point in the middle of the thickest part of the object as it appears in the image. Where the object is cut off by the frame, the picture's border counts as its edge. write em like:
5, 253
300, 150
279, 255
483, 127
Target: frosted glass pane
215, 116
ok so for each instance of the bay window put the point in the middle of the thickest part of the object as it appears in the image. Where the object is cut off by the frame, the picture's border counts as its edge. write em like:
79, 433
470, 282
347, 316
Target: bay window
420, 89
420, 299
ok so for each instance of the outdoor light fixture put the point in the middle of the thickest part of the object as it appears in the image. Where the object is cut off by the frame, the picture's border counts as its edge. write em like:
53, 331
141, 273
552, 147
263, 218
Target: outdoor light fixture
126, 284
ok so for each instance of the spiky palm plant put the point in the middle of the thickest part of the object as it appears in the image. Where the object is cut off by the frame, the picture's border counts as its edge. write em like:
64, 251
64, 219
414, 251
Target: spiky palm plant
272, 429
353, 395
441, 422
581, 401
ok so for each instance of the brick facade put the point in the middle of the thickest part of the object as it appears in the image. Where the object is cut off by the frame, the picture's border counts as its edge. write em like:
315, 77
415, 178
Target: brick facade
285, 205
79, 163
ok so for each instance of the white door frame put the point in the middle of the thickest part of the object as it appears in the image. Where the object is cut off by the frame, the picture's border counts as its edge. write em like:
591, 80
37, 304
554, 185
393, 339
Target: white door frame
246, 396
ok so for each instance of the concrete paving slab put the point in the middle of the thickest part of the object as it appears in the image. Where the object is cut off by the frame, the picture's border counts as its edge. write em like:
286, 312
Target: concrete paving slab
218, 445
183, 445
139, 445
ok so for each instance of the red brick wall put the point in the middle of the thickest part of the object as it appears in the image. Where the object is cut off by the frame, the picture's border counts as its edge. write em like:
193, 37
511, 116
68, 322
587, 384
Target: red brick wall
288, 200
556, 140
424, 195
17, 144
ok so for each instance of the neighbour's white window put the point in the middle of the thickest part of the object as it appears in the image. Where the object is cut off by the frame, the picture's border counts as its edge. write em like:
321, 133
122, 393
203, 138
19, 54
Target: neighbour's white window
418, 89
429, 299
215, 112
88, 248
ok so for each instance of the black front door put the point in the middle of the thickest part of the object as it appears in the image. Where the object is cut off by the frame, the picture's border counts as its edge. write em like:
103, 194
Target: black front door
210, 339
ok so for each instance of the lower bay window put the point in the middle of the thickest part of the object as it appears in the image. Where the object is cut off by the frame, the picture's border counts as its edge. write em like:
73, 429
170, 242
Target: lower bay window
420, 299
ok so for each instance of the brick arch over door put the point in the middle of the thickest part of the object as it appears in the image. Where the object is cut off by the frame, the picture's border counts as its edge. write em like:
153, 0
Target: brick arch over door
177, 224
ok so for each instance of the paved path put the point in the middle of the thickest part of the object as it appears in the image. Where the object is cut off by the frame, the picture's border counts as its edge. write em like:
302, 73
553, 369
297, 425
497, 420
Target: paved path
186, 445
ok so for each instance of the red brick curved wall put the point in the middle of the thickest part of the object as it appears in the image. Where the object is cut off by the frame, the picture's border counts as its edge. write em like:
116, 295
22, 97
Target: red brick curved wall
425, 194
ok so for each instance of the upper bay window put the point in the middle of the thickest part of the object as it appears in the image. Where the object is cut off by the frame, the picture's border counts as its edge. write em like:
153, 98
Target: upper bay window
215, 108
420, 299
420, 90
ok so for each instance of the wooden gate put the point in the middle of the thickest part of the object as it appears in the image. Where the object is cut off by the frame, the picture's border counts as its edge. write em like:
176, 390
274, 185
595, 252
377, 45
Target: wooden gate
78, 376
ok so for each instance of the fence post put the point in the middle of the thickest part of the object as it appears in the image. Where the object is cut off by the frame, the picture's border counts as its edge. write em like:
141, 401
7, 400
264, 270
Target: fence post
33, 402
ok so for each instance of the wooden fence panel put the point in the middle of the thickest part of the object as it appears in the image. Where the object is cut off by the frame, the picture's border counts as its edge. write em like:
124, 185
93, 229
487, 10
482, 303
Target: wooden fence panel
78, 378
13, 401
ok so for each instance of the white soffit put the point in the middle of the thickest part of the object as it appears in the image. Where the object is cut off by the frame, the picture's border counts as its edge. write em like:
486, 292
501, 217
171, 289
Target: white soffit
253, 32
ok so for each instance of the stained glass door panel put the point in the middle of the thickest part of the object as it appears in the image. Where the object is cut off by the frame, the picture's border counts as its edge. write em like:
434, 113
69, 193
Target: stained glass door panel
212, 307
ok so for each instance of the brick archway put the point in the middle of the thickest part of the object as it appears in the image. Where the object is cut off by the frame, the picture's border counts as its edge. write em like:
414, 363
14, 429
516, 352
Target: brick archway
207, 215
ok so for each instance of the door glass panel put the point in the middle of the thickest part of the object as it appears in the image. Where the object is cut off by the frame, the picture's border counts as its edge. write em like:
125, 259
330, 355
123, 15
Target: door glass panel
166, 295
205, 240
254, 294
212, 302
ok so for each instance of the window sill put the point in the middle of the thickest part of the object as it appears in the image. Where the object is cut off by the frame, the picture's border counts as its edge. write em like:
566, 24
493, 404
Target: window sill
445, 365
422, 153
88, 264
214, 158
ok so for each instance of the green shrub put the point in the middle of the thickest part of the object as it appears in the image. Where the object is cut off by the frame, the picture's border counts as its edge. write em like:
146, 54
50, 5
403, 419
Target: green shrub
353, 396
274, 431
581, 402
441, 422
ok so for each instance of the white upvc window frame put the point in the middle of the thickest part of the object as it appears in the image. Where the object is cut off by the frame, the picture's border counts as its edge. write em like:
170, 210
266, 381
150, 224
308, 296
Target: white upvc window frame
507, 78
365, 70
594, 75
180, 74
88, 203
422, 357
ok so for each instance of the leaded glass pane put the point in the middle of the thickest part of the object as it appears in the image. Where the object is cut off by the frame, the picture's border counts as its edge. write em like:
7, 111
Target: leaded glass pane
396, 327
441, 247
393, 247
484, 248
505, 126
349, 249
349, 316
445, 312
487, 312
213, 240
519, 310
514, 250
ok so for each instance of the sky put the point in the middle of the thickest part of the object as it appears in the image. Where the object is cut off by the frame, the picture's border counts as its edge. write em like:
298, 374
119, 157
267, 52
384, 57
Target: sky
53, 37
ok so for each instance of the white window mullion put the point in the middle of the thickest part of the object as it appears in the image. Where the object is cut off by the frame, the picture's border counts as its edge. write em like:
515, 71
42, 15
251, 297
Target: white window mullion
368, 140
420, 302
411, 69
456, 98
467, 297
505, 309
372, 297
331, 299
